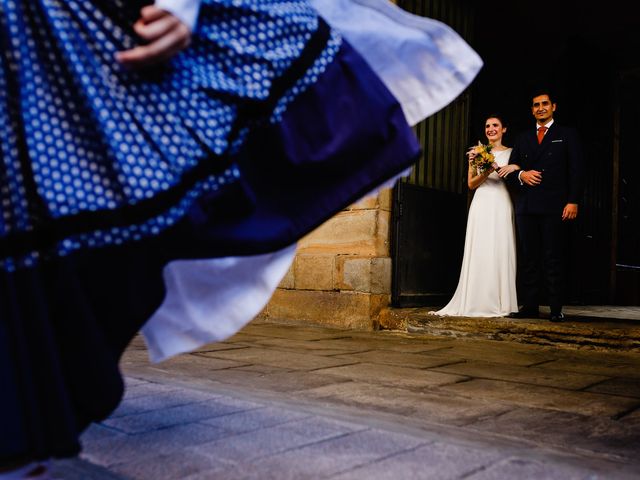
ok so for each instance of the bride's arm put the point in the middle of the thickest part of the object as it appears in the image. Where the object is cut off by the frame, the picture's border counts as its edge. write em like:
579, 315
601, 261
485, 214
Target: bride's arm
474, 179
185, 10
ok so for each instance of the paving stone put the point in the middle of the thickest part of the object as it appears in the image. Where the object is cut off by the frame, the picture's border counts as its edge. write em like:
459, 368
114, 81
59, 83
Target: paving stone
131, 381
393, 375
172, 466
296, 361
597, 365
137, 343
137, 355
251, 446
248, 421
632, 418
149, 388
534, 376
436, 461
148, 403
167, 417
522, 468
244, 339
223, 438
213, 347
317, 347
200, 363
97, 432
283, 382
409, 360
585, 403
328, 458
78, 469
296, 332
419, 406
124, 448
566, 431
627, 387
357, 343
492, 352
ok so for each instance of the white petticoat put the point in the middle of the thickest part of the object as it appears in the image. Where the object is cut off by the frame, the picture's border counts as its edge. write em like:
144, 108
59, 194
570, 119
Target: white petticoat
423, 62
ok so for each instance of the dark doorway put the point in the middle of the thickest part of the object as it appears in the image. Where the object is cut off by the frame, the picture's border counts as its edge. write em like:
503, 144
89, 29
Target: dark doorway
430, 207
588, 56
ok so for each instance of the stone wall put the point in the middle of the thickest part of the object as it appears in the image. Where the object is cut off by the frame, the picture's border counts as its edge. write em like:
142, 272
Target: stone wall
341, 276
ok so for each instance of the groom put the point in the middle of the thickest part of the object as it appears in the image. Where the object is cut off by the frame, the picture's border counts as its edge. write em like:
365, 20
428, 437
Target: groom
548, 190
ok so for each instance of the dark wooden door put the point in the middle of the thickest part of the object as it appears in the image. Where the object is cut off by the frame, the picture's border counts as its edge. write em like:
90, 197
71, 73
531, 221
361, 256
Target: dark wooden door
625, 254
430, 211
428, 240
430, 207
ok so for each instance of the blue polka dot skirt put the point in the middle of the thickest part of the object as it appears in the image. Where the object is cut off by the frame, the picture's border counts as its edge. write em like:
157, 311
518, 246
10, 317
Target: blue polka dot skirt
264, 127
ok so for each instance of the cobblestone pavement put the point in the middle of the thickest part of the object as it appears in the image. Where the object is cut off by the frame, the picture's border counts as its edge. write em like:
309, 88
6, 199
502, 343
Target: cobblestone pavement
290, 402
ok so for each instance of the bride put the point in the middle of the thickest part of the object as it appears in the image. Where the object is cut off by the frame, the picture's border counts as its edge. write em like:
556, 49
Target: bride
487, 284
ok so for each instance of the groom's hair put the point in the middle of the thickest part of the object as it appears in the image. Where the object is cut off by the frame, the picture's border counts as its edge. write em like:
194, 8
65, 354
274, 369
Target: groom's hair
543, 90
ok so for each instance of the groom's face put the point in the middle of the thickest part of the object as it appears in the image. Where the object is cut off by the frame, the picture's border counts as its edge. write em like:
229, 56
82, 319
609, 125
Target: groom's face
543, 109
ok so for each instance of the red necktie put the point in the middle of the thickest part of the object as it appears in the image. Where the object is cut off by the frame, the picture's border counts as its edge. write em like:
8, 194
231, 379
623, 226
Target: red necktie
541, 132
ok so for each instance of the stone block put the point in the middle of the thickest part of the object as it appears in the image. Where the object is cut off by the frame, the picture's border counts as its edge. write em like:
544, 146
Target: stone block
385, 199
314, 271
434, 460
394, 375
355, 273
354, 232
347, 310
381, 275
383, 234
288, 281
363, 274
367, 203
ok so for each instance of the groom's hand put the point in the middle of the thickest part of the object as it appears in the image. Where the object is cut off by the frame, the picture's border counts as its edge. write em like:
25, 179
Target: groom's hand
570, 211
531, 177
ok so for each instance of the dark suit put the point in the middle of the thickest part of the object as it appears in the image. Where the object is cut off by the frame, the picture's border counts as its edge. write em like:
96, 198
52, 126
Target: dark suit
539, 209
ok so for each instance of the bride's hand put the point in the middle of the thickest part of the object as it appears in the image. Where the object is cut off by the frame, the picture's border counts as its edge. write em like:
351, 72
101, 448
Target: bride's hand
507, 169
165, 35
471, 154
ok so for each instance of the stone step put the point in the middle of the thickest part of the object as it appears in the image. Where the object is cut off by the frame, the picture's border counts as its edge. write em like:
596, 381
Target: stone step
596, 328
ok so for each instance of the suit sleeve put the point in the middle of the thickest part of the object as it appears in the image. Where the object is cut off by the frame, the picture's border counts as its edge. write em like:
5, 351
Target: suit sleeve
515, 158
185, 10
575, 167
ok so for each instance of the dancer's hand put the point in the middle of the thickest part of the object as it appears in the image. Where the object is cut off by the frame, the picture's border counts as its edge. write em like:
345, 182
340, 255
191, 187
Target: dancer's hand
531, 177
570, 211
507, 169
165, 35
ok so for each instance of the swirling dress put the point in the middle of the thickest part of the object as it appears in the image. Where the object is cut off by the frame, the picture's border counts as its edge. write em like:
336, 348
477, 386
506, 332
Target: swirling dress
267, 125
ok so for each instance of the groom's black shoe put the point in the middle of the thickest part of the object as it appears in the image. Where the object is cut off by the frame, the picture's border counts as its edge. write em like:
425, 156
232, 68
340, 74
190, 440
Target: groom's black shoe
525, 313
557, 317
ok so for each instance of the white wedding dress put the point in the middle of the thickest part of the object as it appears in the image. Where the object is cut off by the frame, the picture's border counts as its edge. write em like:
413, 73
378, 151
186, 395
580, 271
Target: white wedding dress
487, 285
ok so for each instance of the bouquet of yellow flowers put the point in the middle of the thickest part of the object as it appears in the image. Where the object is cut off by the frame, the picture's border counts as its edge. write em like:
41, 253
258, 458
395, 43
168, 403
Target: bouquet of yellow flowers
484, 159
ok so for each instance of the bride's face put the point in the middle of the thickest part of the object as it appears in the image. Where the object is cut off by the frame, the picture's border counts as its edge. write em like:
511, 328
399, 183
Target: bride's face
494, 130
